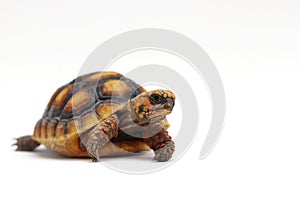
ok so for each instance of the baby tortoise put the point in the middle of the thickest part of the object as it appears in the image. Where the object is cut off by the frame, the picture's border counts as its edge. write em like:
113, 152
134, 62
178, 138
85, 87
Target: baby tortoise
104, 114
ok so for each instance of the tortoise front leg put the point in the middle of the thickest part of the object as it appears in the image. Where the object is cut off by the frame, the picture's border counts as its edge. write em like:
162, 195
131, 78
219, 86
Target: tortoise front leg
101, 135
162, 145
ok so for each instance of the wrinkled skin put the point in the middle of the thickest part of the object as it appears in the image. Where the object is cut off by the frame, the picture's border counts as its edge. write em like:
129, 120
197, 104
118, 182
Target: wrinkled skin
143, 117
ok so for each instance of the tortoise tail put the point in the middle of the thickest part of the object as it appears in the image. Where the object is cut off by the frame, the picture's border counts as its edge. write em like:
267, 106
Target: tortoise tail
26, 143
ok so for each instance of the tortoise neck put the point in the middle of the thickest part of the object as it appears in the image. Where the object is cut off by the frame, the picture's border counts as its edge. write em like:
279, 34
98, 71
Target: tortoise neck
126, 115
123, 113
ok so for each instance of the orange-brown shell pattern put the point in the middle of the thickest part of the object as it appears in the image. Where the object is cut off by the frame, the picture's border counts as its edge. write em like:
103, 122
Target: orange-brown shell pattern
81, 104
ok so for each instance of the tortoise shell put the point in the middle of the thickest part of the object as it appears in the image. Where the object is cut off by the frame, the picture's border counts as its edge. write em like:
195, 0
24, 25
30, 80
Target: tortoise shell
81, 104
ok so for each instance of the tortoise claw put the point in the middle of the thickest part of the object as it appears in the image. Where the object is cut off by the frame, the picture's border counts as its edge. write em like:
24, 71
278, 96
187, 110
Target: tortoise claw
94, 159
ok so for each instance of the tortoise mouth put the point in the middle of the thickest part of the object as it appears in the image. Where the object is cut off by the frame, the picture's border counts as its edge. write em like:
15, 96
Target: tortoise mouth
160, 113
156, 118
162, 110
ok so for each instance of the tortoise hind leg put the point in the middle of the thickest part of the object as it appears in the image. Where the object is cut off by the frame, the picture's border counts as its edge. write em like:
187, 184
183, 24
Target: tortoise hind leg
26, 143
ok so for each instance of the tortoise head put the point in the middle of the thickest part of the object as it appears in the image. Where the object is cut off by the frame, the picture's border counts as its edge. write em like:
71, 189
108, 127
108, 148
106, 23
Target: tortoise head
152, 106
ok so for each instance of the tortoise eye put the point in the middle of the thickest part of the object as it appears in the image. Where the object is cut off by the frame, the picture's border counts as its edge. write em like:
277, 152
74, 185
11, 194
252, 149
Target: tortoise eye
155, 99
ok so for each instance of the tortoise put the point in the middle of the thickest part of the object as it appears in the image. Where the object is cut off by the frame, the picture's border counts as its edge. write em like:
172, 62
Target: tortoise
104, 114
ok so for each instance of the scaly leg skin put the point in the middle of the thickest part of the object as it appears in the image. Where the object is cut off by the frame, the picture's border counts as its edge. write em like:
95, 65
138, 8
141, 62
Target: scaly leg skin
100, 135
26, 143
162, 145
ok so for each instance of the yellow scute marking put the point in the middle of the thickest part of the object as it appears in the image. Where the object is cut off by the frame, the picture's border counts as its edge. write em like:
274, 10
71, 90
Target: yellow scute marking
72, 128
61, 97
115, 88
59, 133
51, 129
106, 109
89, 120
44, 129
79, 99
103, 75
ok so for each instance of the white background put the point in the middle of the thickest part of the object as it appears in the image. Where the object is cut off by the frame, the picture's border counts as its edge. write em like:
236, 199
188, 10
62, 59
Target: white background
255, 46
